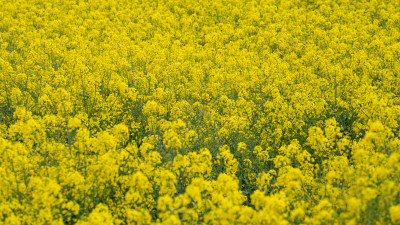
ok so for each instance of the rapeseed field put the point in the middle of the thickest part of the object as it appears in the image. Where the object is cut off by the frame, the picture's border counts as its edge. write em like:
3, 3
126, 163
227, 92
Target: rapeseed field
199, 112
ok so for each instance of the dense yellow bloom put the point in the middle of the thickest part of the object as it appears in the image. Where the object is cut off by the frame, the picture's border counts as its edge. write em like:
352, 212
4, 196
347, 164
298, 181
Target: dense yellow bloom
171, 140
229, 161
395, 213
152, 108
99, 216
121, 133
199, 112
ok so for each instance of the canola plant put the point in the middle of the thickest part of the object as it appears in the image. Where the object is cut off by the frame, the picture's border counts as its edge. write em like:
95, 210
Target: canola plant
199, 112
